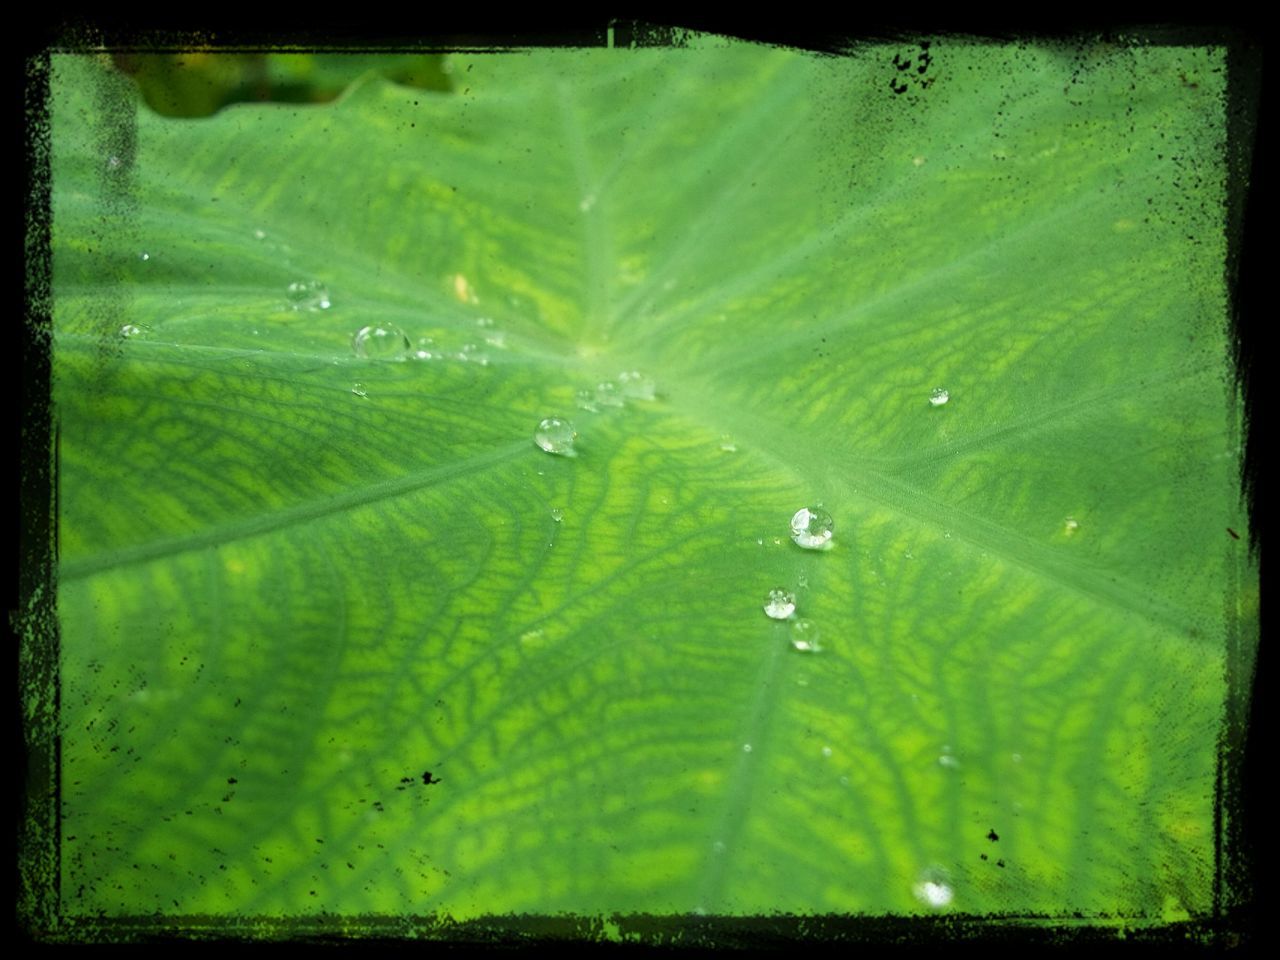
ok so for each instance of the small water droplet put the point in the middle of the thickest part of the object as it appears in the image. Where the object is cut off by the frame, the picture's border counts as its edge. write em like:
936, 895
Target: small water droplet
802, 581
759, 541
811, 528
938, 396
133, 330
144, 255
484, 322
718, 846
556, 436
380, 342
259, 234
586, 400
113, 162
917, 161
946, 535
608, 395
934, 888
779, 604
804, 635
727, 444
947, 760
635, 385
308, 295
826, 751
587, 202
746, 748
557, 514
359, 390
1017, 758
497, 339
1070, 526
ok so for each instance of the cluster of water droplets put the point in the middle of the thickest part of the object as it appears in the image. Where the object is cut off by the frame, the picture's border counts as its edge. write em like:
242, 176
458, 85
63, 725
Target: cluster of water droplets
630, 385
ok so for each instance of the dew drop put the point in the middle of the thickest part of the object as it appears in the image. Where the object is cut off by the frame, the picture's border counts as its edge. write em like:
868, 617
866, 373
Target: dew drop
727, 445
380, 342
802, 581
1016, 758
939, 395
1070, 526
144, 255
934, 888
587, 202
746, 748
804, 635
947, 760
556, 436
497, 339
779, 604
608, 395
718, 846
811, 528
586, 400
259, 234
132, 330
635, 385
359, 390
826, 751
557, 514
308, 295
484, 322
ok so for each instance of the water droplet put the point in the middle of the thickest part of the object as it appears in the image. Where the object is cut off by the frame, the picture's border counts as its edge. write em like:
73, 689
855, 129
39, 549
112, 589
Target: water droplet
946, 535
939, 395
132, 330
826, 751
557, 514
804, 635
934, 888
586, 400
484, 322
917, 161
359, 390
587, 202
113, 162
1070, 526
308, 295
746, 748
1017, 758
636, 385
844, 781
718, 846
145, 256
947, 760
727, 444
779, 604
497, 339
607, 395
802, 581
259, 234
380, 342
556, 436
811, 528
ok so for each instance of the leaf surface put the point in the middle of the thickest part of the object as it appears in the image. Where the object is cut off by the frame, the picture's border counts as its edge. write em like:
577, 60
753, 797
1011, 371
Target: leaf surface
295, 580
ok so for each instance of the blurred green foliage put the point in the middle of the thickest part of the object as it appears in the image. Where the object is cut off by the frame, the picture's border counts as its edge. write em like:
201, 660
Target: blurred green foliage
200, 83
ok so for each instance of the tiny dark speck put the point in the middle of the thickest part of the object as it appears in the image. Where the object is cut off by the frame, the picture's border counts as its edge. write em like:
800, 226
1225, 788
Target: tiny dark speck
1234, 535
993, 836
999, 863
232, 780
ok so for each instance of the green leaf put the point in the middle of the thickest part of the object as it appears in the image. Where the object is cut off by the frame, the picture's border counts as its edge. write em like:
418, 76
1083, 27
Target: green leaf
294, 580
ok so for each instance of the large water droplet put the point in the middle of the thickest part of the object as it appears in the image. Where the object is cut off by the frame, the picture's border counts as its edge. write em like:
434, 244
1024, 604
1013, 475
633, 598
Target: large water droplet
380, 342
308, 295
939, 395
934, 888
811, 528
635, 385
779, 604
556, 436
804, 636
359, 390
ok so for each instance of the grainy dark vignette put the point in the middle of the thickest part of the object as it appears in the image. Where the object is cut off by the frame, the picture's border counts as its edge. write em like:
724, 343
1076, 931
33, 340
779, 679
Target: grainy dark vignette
1240, 885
